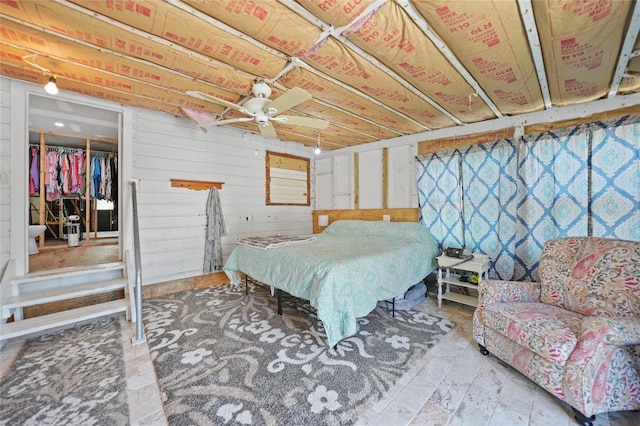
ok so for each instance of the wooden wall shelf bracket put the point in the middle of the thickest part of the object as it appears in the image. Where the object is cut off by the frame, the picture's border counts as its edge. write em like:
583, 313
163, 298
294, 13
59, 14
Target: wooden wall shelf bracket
196, 185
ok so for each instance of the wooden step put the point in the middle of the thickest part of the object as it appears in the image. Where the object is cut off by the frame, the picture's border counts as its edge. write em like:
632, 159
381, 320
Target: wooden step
69, 272
64, 293
71, 316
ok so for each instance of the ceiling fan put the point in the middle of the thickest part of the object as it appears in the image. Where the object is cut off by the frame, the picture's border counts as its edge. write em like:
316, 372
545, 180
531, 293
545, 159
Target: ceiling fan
263, 110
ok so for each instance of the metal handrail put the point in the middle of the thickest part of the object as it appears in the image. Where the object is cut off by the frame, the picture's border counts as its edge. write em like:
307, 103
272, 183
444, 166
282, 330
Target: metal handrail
136, 251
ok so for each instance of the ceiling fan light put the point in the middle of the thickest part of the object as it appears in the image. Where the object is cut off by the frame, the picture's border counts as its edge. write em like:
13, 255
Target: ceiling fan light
51, 87
260, 108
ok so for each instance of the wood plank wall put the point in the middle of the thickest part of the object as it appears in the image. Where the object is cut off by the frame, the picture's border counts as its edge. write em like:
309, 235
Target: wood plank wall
396, 215
173, 219
5, 173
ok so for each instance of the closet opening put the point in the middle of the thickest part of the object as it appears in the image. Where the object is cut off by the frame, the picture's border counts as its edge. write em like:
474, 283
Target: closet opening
73, 184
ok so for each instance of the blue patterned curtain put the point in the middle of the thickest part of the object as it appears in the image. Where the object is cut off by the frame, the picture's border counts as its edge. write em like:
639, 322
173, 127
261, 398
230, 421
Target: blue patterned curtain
490, 196
517, 195
615, 177
553, 193
440, 197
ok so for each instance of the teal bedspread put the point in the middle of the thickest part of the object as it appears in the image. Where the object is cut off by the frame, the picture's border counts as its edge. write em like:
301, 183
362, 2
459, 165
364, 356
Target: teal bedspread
347, 269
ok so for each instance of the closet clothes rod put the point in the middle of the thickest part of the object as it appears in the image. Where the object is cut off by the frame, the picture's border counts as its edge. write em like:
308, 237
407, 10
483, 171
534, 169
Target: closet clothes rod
43, 133
68, 149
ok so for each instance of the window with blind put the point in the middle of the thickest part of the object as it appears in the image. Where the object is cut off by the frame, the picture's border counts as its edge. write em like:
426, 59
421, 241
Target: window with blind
287, 180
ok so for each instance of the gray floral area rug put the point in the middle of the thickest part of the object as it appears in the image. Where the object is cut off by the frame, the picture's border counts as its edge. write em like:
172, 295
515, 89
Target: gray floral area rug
69, 377
222, 357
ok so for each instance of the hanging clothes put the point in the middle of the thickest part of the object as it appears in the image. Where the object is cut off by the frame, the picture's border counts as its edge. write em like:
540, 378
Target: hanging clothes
216, 228
65, 171
83, 169
75, 172
34, 172
102, 188
114, 179
96, 177
65, 174
108, 181
52, 189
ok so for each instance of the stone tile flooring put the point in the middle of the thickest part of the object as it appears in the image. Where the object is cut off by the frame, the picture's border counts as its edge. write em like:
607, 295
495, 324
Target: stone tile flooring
455, 385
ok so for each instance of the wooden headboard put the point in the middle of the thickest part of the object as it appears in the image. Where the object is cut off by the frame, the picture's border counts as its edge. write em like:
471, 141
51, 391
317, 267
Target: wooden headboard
395, 215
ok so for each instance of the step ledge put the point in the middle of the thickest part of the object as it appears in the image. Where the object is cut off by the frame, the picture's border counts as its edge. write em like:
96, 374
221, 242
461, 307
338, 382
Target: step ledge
64, 293
71, 316
67, 272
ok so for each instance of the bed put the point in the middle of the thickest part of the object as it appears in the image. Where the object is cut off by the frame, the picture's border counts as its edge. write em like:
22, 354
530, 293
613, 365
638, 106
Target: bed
345, 270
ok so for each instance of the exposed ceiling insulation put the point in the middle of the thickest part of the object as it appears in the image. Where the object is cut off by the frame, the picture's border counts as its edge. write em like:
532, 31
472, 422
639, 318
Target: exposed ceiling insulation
375, 69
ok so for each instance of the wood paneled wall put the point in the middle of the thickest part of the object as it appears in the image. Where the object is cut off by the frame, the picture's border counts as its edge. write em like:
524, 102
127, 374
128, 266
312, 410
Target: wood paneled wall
395, 215
173, 219
5, 174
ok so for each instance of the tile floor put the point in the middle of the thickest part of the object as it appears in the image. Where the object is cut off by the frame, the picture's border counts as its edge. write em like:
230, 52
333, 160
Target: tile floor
455, 385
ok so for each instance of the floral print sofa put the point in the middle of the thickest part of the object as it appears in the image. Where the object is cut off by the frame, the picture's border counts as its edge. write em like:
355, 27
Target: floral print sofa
576, 333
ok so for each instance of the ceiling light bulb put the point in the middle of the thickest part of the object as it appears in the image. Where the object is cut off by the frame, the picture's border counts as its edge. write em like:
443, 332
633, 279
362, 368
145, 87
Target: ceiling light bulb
51, 87
318, 150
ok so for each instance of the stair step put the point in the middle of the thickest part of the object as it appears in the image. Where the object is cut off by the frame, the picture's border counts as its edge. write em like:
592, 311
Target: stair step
71, 316
69, 272
64, 293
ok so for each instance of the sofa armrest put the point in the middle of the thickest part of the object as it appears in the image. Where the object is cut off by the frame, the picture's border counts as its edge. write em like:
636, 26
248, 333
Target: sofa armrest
499, 291
613, 331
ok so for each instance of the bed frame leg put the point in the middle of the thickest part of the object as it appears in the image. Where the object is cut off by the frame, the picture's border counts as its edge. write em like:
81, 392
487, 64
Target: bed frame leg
246, 285
279, 293
393, 308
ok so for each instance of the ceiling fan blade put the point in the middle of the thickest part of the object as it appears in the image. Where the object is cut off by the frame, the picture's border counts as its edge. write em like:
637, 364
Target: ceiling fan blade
267, 130
313, 123
288, 100
198, 117
212, 99
229, 121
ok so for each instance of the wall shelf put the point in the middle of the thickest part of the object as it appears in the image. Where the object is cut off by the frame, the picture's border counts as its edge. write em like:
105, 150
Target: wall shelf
196, 185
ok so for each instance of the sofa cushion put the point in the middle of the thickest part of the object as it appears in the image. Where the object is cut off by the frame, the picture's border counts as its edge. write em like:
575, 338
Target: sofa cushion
547, 330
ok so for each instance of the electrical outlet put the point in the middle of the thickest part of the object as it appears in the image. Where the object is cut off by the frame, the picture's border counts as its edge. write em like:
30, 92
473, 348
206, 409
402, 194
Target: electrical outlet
386, 218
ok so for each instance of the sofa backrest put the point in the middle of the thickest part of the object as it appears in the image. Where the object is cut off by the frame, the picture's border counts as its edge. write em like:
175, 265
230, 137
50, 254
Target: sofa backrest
591, 276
